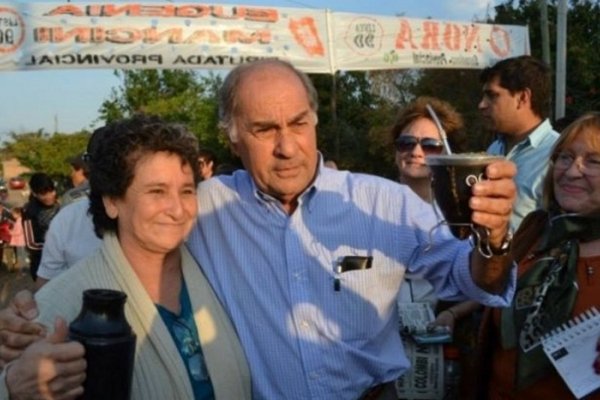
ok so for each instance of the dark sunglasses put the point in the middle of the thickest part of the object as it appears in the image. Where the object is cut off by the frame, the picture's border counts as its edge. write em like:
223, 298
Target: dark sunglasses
429, 145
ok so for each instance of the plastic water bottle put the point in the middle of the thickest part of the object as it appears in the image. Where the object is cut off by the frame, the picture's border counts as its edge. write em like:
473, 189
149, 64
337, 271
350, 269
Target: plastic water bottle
451, 372
109, 344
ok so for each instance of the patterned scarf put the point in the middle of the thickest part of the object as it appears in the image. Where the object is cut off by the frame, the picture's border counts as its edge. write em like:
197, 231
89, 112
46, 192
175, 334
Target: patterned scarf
545, 293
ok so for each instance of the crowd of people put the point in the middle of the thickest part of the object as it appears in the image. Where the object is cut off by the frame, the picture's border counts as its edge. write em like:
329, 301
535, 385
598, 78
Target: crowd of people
287, 274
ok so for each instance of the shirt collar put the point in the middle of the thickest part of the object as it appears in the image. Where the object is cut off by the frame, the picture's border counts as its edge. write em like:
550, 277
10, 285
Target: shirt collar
539, 133
534, 139
307, 195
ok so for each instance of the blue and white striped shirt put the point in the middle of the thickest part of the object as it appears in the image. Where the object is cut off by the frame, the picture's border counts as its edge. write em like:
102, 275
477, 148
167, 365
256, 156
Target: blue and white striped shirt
274, 274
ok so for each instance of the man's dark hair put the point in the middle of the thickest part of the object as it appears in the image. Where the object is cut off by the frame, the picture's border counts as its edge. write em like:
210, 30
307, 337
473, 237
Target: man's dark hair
41, 183
520, 73
78, 163
115, 149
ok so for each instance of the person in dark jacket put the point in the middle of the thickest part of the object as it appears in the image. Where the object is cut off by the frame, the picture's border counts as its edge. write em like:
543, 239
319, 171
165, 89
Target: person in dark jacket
37, 214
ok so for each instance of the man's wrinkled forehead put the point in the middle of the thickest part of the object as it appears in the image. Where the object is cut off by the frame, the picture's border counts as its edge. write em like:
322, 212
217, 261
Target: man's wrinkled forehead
266, 75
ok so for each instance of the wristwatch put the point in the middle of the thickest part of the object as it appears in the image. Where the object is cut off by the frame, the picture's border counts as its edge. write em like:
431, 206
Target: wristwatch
481, 241
504, 247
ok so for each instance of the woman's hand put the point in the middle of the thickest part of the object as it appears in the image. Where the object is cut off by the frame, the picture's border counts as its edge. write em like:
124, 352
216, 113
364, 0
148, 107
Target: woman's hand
445, 318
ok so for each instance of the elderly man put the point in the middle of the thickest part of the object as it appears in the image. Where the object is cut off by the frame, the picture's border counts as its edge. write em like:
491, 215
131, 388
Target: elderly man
308, 260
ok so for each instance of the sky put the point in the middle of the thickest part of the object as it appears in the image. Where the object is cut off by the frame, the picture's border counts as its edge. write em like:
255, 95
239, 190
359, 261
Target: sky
68, 100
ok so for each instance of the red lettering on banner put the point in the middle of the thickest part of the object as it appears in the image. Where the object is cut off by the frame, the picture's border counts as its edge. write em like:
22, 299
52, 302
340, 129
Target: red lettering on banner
432, 33
218, 12
192, 11
67, 10
452, 37
185, 11
472, 38
262, 36
405, 35
137, 10
306, 35
500, 47
58, 35
173, 35
262, 14
122, 35
202, 36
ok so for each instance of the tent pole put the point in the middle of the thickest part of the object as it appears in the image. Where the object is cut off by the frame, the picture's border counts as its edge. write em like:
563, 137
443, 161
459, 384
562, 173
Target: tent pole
334, 123
561, 58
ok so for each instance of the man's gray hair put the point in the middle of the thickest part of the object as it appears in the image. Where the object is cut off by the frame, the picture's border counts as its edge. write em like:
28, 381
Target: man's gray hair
228, 94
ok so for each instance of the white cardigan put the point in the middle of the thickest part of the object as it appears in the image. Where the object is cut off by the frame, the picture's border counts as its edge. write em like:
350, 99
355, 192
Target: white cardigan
159, 371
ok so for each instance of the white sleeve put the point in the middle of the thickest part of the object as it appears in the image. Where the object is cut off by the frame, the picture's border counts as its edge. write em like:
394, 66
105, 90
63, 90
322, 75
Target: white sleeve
53, 256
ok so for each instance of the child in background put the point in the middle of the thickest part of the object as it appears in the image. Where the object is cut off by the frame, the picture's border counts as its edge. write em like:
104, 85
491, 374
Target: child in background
17, 241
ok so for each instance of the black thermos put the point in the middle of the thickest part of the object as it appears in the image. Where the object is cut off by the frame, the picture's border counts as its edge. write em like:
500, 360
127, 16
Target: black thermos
109, 344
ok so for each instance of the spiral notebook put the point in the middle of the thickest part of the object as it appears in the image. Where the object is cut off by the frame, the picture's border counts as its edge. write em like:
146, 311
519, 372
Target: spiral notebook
572, 350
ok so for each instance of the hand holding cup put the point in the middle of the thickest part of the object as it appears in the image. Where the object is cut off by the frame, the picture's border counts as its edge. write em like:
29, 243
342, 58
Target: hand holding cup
493, 199
474, 190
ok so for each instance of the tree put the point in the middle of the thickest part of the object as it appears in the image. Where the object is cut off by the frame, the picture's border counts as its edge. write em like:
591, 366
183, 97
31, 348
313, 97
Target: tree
462, 89
175, 95
357, 109
583, 40
42, 152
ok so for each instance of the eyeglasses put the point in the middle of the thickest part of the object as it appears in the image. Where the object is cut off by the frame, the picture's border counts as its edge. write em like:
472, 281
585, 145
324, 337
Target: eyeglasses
588, 165
406, 143
190, 349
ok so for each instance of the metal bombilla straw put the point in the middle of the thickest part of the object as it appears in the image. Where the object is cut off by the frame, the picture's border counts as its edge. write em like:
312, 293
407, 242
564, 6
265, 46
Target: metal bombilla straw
442, 133
484, 251
440, 128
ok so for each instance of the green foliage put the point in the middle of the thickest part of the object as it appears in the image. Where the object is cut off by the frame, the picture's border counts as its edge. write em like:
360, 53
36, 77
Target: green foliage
346, 120
583, 41
175, 95
42, 152
462, 89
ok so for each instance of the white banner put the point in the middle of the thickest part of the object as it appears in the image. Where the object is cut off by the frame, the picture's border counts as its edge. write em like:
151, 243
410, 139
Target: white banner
365, 42
212, 36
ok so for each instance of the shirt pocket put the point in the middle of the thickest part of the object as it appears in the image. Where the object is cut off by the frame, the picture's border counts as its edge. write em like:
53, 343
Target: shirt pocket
365, 300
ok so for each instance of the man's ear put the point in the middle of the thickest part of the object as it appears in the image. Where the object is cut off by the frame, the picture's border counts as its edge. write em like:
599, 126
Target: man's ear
233, 148
524, 98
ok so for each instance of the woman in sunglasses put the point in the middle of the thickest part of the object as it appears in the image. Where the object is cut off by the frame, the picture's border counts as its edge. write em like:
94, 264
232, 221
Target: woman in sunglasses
415, 136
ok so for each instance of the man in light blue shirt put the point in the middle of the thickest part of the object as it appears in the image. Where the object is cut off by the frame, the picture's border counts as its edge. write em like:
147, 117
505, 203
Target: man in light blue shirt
70, 238
515, 103
308, 260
